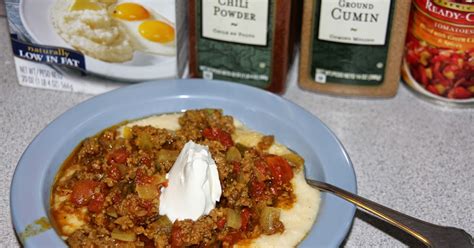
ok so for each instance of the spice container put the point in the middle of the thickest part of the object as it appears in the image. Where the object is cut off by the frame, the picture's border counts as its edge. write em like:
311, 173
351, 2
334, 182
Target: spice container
439, 50
353, 47
242, 41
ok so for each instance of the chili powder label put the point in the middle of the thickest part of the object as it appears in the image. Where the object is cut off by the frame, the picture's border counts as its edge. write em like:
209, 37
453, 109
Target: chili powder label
439, 50
235, 40
350, 41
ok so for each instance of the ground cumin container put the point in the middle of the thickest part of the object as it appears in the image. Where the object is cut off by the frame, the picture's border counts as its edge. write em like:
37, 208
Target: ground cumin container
353, 47
244, 41
439, 55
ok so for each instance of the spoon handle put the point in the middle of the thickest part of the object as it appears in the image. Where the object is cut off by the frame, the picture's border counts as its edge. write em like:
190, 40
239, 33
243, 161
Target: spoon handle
430, 234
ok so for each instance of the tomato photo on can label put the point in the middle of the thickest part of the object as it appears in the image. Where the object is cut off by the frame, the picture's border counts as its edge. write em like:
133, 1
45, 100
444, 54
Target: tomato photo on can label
439, 50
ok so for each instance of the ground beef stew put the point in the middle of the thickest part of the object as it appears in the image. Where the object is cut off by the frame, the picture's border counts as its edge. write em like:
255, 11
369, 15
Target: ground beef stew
107, 191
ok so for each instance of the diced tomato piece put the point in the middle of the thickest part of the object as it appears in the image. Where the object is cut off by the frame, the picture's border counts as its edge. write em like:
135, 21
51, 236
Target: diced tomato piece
412, 57
438, 59
219, 135
445, 82
114, 173
412, 42
82, 192
226, 139
280, 169
210, 133
236, 167
455, 57
459, 93
221, 223
97, 203
141, 178
145, 161
433, 50
422, 73
256, 188
176, 238
431, 88
437, 72
245, 219
118, 156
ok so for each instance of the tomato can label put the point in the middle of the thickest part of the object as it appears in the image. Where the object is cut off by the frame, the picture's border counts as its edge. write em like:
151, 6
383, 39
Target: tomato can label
439, 50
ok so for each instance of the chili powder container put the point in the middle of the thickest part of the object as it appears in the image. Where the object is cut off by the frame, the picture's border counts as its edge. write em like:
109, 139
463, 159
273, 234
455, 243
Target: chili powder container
439, 50
244, 41
353, 47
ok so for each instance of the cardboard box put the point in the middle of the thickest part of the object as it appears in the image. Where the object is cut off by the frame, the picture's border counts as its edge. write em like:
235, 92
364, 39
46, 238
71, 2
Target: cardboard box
93, 46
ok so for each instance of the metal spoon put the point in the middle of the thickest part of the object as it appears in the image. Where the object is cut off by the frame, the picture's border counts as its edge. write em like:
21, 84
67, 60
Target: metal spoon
431, 235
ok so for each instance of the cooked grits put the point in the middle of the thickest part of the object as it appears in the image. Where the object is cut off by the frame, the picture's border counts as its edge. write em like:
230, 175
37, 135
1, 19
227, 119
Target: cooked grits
92, 32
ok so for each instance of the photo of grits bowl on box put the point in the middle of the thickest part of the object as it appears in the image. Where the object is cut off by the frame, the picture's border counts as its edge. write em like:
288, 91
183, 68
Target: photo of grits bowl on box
138, 36
112, 30
173, 171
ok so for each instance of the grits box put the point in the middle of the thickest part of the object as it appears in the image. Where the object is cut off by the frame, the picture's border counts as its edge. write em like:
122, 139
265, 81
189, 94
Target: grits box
93, 46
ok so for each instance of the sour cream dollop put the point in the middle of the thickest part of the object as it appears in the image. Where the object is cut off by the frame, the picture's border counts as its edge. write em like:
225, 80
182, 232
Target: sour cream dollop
193, 185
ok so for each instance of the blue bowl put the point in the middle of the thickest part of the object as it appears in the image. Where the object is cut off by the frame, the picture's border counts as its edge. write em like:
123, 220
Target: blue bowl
326, 159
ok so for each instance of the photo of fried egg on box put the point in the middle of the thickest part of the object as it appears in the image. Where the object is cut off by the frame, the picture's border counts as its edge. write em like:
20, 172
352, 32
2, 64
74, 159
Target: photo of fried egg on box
113, 30
147, 29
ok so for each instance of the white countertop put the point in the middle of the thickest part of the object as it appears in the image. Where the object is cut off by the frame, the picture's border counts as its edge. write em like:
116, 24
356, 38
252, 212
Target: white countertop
409, 154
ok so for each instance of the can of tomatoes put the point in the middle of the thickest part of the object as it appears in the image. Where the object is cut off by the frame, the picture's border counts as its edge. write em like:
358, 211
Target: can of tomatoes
439, 50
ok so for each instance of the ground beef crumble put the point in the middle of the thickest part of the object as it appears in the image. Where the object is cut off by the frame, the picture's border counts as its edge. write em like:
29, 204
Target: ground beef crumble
118, 181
